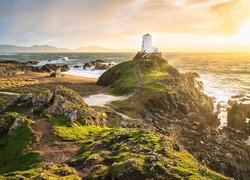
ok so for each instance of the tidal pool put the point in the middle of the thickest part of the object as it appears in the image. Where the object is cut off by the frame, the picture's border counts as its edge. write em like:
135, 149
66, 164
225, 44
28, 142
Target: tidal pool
103, 100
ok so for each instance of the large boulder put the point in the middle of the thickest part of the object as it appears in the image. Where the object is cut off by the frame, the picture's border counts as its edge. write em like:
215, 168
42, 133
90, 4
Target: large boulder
239, 117
57, 73
64, 68
11, 121
49, 68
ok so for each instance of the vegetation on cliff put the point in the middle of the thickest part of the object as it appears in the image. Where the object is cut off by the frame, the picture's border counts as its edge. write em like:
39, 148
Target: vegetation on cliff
31, 150
129, 153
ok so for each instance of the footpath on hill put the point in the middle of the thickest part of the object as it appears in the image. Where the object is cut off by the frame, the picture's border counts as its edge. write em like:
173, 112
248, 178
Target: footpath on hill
54, 149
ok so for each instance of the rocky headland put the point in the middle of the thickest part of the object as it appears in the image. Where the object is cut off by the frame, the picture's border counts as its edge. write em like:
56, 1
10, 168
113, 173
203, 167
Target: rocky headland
176, 106
48, 131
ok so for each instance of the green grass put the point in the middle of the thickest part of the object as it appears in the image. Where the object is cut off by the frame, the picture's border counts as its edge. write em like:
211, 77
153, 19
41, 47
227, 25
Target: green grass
45, 171
122, 153
19, 163
74, 132
121, 84
7, 100
13, 152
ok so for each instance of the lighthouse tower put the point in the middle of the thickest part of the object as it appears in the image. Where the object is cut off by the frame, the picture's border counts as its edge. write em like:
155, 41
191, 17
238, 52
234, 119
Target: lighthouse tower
147, 44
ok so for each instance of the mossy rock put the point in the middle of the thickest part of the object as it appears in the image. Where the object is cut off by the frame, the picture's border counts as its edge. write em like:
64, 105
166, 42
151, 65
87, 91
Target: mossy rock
46, 171
117, 153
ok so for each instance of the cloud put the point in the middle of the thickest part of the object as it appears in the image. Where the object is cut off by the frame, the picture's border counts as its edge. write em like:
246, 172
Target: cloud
115, 23
231, 15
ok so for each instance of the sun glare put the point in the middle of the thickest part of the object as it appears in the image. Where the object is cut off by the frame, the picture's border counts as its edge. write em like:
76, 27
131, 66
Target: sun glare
243, 36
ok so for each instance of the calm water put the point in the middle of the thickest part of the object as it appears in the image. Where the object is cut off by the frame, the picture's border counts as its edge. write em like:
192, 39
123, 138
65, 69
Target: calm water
223, 74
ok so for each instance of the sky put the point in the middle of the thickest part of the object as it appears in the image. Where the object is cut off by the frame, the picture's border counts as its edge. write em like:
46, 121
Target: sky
175, 25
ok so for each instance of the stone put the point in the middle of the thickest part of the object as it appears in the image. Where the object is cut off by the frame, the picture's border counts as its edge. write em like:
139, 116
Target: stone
238, 115
49, 68
97, 64
57, 73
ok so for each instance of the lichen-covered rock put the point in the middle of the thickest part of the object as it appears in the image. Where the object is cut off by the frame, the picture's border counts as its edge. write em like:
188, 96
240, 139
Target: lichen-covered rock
67, 102
11, 121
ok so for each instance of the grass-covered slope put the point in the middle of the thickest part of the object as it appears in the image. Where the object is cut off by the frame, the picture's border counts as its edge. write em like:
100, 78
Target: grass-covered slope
120, 77
150, 70
16, 136
157, 87
118, 153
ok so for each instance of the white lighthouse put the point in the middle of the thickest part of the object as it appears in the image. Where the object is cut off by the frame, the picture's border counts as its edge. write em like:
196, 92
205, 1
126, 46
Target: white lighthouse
147, 44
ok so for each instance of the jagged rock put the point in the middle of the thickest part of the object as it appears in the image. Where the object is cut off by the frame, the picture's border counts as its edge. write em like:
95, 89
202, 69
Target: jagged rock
9, 122
57, 73
98, 64
77, 66
48, 68
12, 68
64, 68
68, 103
52, 68
239, 117
19, 121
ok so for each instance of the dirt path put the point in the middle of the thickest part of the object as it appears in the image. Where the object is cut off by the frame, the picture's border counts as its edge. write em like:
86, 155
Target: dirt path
54, 149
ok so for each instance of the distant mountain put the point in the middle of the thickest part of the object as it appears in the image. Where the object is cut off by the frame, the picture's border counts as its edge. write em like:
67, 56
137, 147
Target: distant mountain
93, 49
47, 48
35, 48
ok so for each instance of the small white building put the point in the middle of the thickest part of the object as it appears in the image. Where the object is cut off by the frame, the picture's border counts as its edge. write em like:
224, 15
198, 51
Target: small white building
147, 44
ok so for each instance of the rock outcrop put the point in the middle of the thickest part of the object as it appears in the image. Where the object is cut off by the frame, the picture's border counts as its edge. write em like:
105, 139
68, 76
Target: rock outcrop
239, 117
52, 68
9, 122
97, 64
66, 102
14, 68
57, 73
8, 68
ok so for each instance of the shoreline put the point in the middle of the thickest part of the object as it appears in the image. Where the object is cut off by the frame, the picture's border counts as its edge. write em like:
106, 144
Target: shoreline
40, 75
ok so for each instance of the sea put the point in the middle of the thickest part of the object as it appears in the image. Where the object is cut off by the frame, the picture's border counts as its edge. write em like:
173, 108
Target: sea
223, 74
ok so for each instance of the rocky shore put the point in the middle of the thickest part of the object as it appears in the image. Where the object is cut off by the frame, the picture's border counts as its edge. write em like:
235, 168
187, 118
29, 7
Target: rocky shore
10, 67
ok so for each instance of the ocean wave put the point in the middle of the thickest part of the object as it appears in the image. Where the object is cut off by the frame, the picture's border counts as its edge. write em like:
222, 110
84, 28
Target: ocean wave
57, 61
90, 73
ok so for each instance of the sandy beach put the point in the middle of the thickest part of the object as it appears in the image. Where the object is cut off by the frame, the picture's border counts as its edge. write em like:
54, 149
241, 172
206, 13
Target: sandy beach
33, 82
